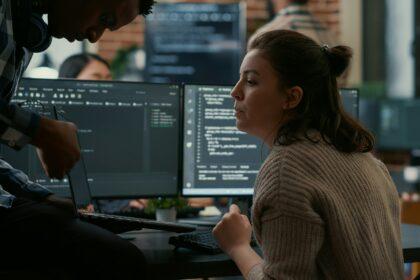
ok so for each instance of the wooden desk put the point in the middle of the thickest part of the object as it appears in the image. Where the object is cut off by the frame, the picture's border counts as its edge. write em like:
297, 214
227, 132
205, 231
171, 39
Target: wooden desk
167, 263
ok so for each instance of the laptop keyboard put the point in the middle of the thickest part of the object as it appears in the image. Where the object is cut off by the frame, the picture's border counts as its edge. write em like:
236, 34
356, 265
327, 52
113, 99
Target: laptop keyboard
184, 212
95, 215
116, 224
202, 241
120, 224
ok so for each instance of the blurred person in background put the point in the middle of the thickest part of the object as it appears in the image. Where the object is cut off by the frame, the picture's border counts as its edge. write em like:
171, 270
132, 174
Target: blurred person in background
295, 15
85, 66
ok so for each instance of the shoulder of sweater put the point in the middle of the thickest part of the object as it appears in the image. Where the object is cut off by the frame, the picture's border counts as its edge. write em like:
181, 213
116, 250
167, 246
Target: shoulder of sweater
382, 166
279, 159
285, 189
293, 172
303, 154
318, 161
284, 167
286, 163
311, 154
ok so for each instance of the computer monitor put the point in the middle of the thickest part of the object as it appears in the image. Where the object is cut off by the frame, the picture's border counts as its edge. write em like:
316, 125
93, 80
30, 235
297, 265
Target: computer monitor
218, 159
398, 124
350, 99
195, 42
128, 132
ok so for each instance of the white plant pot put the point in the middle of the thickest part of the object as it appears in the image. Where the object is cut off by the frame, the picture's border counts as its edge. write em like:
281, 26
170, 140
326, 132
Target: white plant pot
166, 215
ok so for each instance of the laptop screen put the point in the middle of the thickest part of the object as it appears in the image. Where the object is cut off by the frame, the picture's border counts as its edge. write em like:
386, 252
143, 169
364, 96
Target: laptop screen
79, 185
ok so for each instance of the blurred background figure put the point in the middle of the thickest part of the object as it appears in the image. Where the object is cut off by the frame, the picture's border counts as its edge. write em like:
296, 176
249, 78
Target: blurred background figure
85, 66
295, 15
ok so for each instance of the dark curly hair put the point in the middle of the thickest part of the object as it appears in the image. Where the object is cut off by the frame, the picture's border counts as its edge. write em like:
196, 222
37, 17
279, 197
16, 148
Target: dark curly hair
300, 61
145, 7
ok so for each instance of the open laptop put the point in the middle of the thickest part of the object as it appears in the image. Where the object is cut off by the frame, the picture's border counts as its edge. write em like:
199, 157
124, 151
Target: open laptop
81, 195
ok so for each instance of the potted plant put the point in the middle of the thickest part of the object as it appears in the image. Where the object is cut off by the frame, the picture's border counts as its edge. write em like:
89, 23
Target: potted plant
165, 208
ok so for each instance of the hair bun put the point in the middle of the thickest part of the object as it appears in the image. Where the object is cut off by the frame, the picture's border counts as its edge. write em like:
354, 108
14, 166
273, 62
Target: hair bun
339, 58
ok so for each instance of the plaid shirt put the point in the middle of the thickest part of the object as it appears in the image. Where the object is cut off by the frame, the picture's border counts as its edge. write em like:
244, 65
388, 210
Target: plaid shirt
17, 126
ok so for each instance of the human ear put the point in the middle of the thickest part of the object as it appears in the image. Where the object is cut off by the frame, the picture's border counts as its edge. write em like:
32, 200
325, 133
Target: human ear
293, 97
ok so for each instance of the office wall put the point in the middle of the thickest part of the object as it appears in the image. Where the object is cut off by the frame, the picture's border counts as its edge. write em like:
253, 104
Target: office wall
327, 10
373, 37
351, 35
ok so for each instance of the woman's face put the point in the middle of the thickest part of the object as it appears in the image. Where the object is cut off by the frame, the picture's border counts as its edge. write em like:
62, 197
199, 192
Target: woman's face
259, 100
95, 70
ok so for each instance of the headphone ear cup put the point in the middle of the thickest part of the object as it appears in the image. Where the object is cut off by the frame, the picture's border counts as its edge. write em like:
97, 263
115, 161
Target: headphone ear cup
38, 38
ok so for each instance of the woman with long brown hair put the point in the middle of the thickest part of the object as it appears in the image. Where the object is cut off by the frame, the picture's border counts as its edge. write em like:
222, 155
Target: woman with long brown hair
323, 207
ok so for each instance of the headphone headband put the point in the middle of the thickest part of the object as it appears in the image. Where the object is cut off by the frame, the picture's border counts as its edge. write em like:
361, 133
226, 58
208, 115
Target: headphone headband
30, 30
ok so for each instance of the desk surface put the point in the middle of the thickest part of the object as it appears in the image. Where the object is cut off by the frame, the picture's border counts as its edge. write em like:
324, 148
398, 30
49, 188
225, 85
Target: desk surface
167, 263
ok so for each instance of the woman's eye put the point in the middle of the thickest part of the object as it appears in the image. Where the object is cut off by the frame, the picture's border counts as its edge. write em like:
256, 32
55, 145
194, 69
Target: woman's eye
250, 82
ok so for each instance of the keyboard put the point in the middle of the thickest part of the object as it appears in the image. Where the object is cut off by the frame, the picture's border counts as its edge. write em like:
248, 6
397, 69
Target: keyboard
202, 241
184, 212
120, 224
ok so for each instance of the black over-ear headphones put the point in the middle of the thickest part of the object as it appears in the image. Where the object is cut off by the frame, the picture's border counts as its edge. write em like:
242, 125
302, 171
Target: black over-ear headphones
30, 30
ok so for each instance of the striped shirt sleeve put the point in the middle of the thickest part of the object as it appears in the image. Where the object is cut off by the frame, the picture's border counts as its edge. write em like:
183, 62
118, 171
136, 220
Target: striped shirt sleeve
17, 126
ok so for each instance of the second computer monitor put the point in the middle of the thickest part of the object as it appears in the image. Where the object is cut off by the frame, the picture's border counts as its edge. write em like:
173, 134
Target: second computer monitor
195, 42
220, 160
129, 134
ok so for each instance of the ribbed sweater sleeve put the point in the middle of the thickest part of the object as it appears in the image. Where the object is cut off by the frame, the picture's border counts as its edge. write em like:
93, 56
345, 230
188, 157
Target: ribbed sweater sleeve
290, 235
322, 214
293, 245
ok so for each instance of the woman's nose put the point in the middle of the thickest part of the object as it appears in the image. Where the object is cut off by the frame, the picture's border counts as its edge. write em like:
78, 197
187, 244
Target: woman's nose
236, 92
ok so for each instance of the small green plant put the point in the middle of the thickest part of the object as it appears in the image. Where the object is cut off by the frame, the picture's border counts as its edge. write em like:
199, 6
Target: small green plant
120, 61
165, 203
372, 90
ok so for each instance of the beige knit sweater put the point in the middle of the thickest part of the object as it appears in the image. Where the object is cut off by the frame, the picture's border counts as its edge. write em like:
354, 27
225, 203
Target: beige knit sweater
322, 214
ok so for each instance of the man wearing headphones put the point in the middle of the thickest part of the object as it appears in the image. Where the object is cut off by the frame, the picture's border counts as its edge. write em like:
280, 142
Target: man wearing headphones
38, 231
